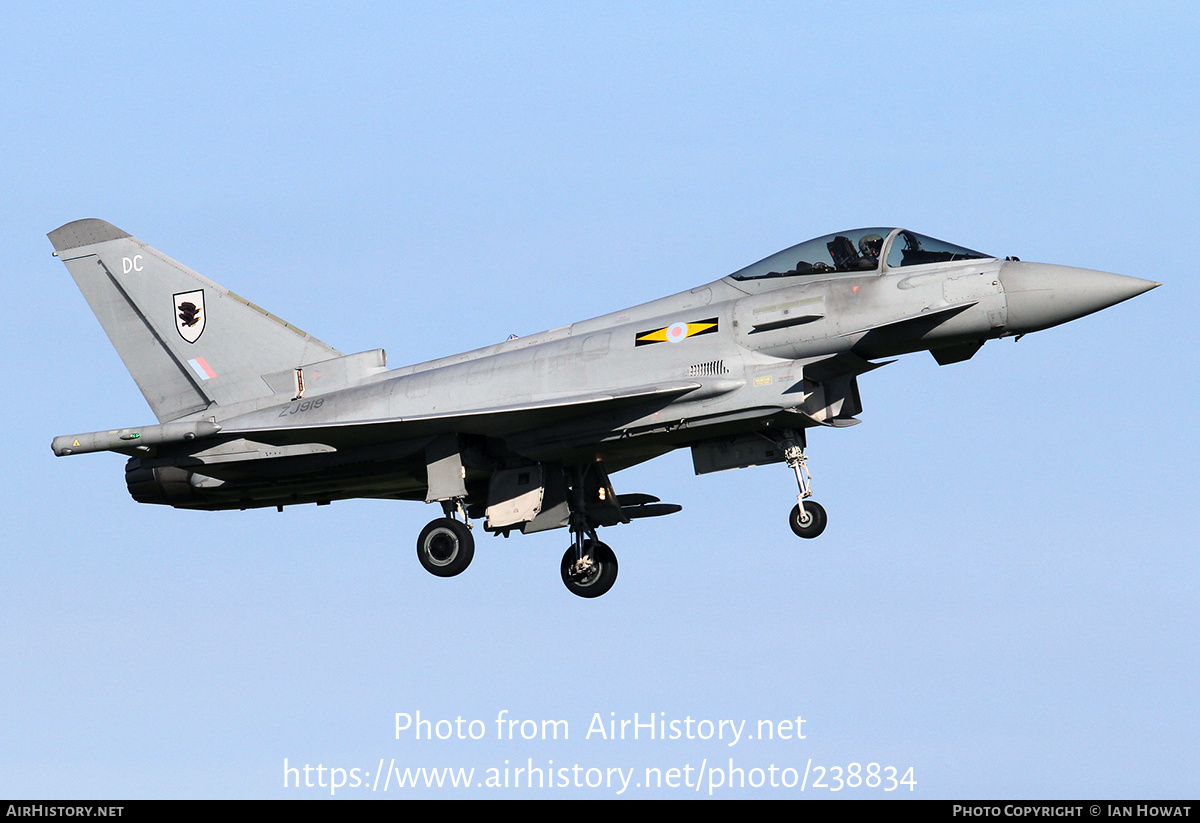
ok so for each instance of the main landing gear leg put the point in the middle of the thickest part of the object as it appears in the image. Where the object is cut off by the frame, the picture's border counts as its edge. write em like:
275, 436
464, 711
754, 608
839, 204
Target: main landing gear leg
807, 519
446, 546
589, 567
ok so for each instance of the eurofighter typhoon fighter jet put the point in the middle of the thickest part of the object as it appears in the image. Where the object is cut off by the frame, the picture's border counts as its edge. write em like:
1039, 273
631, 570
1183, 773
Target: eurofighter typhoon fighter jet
525, 435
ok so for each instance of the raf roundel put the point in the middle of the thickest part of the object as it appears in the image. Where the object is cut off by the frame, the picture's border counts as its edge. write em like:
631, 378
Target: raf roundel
677, 332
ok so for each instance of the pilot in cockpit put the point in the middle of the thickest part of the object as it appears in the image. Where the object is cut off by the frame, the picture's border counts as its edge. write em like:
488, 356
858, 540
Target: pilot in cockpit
870, 246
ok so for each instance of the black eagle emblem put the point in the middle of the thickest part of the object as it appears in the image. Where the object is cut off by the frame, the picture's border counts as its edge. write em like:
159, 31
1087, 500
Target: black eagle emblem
189, 313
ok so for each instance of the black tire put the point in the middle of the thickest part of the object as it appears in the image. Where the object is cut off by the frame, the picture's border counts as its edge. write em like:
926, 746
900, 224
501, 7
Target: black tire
445, 547
813, 523
599, 579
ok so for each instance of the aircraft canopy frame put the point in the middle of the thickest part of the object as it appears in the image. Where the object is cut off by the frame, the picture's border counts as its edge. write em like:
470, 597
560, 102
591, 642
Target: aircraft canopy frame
858, 251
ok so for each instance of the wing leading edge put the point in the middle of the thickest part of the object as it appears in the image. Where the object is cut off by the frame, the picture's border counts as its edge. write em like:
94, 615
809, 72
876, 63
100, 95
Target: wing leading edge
488, 421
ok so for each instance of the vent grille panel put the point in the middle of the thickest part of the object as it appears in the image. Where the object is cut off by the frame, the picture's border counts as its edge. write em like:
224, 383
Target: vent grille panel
713, 368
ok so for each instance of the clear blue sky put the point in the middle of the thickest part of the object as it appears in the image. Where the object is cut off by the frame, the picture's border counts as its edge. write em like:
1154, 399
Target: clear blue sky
1005, 599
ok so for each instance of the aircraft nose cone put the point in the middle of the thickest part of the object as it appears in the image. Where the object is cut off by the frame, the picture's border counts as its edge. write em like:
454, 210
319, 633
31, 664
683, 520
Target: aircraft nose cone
1040, 295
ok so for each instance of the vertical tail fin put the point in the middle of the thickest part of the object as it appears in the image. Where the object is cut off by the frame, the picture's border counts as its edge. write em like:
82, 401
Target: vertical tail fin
188, 342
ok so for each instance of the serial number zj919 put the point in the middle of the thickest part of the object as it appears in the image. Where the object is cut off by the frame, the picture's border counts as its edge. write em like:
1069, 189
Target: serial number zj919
303, 407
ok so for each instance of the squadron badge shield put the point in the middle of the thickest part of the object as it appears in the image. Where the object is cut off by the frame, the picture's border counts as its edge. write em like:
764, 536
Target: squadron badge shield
189, 314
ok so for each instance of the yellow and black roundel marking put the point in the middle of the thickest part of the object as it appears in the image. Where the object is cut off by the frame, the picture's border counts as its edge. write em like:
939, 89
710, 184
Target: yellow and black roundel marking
676, 332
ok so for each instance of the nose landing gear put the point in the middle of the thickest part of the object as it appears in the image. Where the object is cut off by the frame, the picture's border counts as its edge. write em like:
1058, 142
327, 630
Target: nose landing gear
810, 521
807, 519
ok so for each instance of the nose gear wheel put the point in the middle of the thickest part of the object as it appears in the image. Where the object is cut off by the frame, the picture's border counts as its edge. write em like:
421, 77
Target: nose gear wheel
810, 522
807, 518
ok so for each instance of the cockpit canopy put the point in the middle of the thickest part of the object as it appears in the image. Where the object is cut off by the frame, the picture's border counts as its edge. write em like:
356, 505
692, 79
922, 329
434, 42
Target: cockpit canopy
859, 250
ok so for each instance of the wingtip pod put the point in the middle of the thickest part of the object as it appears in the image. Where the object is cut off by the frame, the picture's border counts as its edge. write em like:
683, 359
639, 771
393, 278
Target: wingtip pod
121, 440
84, 233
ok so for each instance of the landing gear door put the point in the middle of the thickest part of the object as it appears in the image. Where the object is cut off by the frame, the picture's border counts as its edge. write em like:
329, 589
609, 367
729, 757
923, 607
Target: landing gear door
515, 496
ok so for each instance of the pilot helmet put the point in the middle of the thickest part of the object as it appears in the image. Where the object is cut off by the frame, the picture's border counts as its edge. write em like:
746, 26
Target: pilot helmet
870, 245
